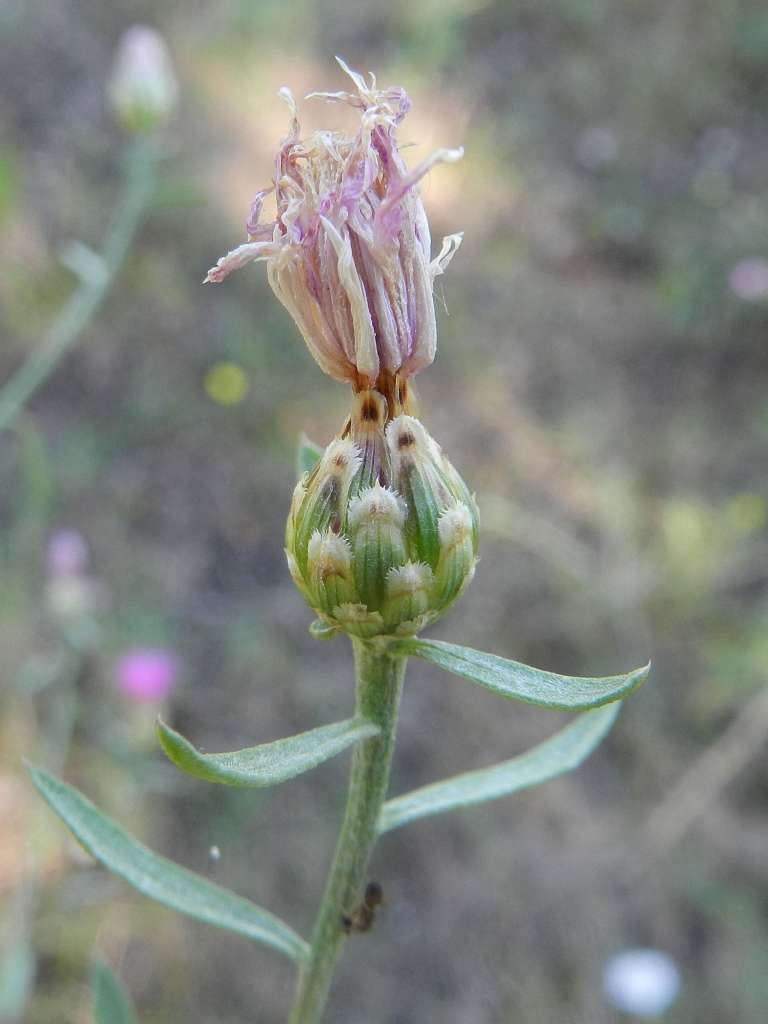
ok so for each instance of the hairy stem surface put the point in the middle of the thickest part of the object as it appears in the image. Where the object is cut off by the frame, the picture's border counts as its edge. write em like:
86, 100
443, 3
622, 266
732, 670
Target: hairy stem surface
379, 682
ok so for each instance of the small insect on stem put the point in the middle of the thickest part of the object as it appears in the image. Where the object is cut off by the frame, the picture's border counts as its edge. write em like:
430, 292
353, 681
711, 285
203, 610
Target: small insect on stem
362, 917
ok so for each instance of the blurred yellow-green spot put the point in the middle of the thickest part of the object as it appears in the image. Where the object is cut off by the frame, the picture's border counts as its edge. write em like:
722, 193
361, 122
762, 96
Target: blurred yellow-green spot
9, 184
684, 524
747, 513
226, 383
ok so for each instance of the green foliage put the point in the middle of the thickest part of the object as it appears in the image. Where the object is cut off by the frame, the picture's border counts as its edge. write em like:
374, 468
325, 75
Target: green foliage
159, 878
307, 456
10, 180
269, 763
17, 972
85, 302
382, 535
522, 682
111, 1003
562, 753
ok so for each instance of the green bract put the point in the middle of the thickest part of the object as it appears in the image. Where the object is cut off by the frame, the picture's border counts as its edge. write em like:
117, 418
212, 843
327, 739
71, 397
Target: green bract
382, 533
111, 1003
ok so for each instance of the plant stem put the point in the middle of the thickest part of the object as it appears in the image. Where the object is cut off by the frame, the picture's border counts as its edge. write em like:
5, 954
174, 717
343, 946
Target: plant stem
93, 287
379, 682
18, 959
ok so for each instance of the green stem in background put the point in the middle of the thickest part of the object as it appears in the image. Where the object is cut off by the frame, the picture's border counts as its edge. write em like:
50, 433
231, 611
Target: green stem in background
97, 273
18, 962
379, 682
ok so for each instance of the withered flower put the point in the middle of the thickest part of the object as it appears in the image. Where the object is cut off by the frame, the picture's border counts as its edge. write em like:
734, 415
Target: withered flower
349, 253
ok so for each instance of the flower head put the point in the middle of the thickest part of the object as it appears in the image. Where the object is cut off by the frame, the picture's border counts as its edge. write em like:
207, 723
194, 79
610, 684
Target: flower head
349, 252
383, 532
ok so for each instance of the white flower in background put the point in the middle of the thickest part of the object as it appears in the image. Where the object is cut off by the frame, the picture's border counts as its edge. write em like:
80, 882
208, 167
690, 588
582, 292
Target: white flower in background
645, 982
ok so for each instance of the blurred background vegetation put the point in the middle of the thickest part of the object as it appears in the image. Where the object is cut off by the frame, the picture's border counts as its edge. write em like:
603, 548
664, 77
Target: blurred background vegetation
601, 382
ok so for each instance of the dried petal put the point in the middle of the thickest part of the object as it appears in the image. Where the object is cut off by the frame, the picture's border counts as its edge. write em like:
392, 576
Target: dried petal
349, 253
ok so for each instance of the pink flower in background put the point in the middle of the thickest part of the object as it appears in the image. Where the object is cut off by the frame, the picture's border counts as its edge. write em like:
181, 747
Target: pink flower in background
749, 279
147, 673
67, 553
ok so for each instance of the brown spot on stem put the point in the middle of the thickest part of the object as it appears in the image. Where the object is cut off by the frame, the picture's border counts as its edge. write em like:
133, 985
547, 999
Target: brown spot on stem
369, 411
374, 894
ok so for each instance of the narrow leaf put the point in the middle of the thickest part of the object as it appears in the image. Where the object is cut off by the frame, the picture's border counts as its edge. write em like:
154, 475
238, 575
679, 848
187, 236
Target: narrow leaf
563, 752
111, 1003
308, 454
521, 682
17, 975
159, 878
269, 763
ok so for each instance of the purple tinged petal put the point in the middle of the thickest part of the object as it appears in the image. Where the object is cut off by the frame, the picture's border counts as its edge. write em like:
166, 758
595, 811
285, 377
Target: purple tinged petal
252, 225
387, 222
425, 334
366, 355
350, 253
287, 282
238, 258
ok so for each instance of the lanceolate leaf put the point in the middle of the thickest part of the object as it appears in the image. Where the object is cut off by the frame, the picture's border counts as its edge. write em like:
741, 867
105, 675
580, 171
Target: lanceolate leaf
268, 763
161, 879
563, 752
17, 975
521, 682
111, 1004
308, 454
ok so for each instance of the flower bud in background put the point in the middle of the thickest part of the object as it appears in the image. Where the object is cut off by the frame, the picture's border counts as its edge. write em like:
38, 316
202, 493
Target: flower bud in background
382, 534
71, 594
142, 87
147, 674
349, 252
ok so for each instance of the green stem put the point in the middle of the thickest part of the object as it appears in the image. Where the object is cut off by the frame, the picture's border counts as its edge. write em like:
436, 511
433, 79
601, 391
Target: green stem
379, 682
92, 290
17, 948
